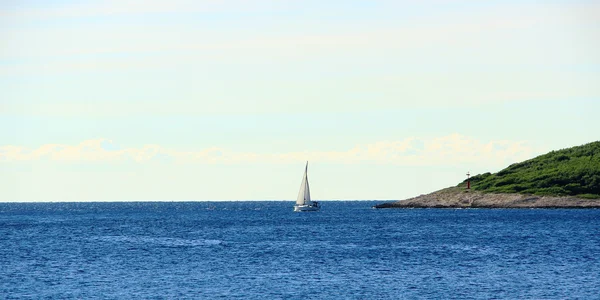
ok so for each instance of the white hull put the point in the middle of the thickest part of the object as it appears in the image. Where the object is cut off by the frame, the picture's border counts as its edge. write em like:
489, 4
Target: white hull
306, 208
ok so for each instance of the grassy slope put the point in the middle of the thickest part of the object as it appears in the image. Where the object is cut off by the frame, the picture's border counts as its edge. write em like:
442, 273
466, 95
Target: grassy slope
574, 171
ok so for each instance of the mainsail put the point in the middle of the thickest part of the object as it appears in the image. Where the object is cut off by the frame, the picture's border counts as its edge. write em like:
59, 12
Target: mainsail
304, 193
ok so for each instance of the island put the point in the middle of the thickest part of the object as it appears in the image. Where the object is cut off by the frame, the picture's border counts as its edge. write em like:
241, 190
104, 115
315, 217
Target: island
567, 178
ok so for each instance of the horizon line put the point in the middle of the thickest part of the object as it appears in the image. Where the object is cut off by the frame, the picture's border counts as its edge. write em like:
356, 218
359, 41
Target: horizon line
239, 200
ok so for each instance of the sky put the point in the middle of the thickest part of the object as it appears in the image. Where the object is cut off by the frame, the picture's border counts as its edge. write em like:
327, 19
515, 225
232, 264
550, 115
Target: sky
204, 100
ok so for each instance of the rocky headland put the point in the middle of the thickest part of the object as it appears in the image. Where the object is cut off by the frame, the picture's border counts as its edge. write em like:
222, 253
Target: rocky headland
566, 178
459, 197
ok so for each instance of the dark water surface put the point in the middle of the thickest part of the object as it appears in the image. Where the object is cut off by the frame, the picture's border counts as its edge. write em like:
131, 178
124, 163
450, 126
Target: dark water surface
252, 250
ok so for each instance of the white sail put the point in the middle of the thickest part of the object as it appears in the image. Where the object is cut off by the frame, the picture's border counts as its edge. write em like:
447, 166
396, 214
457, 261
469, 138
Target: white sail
304, 193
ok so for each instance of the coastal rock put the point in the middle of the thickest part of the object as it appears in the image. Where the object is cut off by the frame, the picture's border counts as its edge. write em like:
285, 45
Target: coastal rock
459, 197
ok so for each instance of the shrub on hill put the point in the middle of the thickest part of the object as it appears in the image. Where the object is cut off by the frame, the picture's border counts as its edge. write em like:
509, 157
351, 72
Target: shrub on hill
573, 171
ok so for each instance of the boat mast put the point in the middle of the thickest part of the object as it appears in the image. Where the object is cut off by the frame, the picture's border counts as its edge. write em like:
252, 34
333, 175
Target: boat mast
307, 187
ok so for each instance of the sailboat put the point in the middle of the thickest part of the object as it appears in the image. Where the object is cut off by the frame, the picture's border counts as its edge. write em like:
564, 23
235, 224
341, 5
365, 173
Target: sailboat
303, 202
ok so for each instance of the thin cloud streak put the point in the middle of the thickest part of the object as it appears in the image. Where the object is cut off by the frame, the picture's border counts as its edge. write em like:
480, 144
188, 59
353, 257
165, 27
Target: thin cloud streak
446, 150
132, 7
456, 30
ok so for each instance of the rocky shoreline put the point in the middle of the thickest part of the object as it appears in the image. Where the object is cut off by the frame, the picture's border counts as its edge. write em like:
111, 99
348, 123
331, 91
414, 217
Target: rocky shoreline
459, 197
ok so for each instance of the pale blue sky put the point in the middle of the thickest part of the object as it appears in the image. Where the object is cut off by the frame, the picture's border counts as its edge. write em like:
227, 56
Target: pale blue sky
226, 100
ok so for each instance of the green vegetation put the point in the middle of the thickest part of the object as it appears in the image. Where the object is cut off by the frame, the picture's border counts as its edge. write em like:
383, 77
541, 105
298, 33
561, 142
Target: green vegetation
574, 171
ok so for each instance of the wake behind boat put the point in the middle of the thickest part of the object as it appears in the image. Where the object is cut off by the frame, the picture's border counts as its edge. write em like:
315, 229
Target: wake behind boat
303, 202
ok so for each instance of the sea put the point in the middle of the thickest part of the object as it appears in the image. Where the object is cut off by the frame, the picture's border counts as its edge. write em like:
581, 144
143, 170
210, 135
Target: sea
264, 250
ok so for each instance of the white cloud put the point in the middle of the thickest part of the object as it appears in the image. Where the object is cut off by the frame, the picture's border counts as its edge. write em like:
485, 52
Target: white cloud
446, 150
89, 150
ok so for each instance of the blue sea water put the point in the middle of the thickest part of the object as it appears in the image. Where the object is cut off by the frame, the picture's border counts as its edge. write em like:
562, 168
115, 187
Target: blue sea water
263, 250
